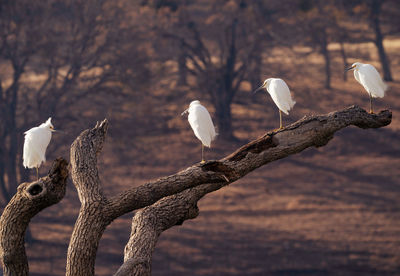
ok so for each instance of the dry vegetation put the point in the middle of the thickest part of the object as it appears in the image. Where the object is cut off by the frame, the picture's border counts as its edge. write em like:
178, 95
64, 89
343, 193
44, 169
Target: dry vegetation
332, 210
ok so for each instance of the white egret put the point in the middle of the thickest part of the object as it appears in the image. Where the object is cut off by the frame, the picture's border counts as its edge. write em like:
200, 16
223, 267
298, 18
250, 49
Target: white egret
280, 94
36, 141
200, 120
369, 78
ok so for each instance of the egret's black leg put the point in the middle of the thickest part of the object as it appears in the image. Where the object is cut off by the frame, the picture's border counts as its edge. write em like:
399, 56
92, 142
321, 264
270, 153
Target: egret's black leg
370, 104
202, 153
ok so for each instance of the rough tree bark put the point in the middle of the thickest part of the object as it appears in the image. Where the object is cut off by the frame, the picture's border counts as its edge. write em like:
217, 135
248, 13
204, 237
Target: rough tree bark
29, 200
149, 223
169, 200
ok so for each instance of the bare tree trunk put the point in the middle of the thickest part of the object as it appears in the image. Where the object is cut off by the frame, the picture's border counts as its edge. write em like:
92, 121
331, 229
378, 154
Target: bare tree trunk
10, 128
4, 192
224, 118
254, 76
182, 69
82, 249
5, 197
97, 211
149, 223
24, 177
29, 200
327, 59
12, 155
225, 92
344, 59
375, 12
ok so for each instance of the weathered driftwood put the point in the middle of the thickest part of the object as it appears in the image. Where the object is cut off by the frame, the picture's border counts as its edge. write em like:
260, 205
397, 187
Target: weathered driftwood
30, 199
169, 200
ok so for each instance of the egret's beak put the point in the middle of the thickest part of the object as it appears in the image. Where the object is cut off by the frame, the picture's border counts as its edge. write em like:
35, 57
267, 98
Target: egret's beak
350, 68
57, 130
258, 89
184, 112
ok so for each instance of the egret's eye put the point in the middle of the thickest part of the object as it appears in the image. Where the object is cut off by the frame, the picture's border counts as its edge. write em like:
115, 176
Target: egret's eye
51, 127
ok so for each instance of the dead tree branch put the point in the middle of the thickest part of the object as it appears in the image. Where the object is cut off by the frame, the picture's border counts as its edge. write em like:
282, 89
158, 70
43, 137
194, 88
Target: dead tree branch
149, 223
169, 200
316, 131
30, 199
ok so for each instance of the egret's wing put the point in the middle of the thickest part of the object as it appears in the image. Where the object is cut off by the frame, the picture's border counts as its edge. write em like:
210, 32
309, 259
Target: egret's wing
35, 145
31, 155
280, 94
202, 125
372, 81
357, 76
41, 139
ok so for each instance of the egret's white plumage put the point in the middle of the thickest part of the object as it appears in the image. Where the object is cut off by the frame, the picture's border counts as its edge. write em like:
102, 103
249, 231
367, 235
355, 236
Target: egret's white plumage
280, 94
369, 78
36, 141
200, 120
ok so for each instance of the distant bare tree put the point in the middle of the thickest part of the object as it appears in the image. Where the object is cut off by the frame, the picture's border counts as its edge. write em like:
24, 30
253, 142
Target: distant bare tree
317, 24
56, 53
375, 8
382, 18
219, 46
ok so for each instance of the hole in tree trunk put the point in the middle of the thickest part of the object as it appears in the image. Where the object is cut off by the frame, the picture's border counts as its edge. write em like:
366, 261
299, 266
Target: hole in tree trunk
35, 189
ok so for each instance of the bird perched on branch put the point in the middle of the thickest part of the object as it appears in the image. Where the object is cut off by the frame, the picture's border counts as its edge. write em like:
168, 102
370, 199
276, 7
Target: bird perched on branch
369, 78
200, 120
36, 141
280, 94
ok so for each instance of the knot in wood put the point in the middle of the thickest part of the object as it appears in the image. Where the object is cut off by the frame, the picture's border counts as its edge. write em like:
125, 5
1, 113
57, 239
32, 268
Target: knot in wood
35, 189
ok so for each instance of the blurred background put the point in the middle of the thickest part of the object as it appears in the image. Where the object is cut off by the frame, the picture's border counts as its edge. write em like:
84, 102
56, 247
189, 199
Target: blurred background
329, 211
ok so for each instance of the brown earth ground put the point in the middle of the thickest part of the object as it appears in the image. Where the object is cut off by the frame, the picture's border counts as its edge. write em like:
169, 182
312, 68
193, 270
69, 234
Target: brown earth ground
334, 210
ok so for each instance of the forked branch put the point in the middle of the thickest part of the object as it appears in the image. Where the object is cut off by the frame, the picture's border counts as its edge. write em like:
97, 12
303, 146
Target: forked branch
149, 223
169, 200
